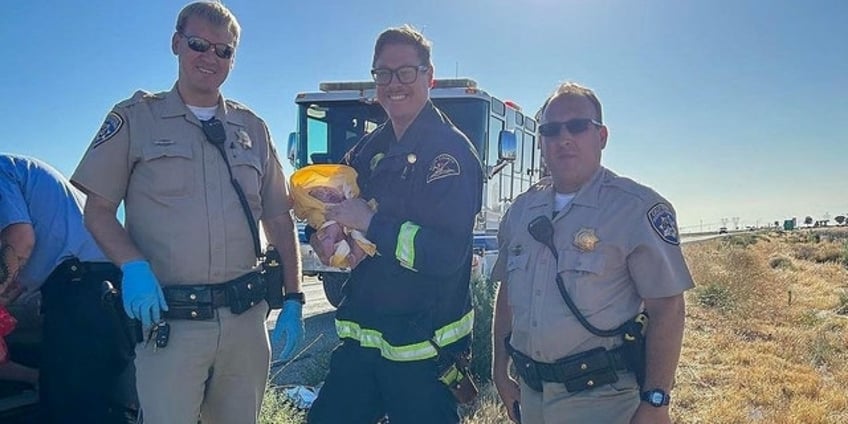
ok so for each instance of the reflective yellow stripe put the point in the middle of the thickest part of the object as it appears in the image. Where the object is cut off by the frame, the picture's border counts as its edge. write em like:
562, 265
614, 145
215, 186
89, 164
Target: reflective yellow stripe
413, 352
405, 250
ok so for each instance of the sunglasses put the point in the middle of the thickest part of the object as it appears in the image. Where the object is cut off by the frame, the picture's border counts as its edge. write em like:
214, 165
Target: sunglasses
404, 74
574, 126
201, 45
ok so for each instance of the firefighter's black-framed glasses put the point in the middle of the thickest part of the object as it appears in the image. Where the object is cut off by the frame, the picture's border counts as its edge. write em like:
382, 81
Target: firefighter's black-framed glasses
404, 74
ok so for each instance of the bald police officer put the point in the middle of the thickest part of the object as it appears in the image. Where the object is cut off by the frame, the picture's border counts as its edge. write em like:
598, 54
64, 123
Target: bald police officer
187, 251
614, 250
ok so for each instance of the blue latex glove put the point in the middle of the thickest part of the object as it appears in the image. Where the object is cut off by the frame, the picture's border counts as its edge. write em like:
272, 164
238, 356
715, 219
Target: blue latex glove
140, 291
289, 329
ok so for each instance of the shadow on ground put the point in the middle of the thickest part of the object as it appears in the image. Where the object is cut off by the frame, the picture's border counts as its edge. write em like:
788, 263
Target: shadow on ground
309, 366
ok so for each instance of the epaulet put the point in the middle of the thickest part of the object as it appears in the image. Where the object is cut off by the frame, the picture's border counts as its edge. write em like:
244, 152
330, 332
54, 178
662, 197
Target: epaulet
236, 106
631, 187
141, 96
543, 184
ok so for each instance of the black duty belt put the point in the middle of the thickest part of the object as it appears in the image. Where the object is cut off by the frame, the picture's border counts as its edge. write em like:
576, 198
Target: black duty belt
582, 371
74, 269
199, 301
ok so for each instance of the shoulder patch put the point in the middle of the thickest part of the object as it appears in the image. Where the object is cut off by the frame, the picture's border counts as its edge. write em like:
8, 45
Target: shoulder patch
444, 165
111, 125
664, 223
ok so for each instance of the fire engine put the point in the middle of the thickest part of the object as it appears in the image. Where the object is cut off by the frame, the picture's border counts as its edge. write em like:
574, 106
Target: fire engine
333, 119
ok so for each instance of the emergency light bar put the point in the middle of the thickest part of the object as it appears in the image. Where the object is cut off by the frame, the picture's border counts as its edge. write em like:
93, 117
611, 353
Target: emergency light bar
455, 83
347, 86
369, 85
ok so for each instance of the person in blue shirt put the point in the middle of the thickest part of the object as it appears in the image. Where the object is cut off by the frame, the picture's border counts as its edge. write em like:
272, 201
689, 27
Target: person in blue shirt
84, 376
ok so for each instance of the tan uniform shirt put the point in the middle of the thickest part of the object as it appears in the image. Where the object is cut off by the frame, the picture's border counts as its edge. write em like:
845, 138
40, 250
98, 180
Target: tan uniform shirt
617, 243
181, 210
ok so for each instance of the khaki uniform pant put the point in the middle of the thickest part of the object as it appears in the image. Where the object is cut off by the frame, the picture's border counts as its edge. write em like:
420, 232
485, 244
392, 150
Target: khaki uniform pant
610, 404
216, 368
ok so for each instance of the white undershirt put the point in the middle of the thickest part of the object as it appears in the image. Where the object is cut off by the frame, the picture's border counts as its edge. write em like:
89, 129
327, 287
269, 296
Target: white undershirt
562, 200
203, 113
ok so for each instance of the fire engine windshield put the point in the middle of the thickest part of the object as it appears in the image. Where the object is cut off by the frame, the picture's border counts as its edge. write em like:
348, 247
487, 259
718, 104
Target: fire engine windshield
327, 130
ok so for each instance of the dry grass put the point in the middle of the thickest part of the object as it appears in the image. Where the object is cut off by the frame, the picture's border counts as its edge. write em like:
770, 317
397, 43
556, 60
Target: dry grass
773, 350
766, 338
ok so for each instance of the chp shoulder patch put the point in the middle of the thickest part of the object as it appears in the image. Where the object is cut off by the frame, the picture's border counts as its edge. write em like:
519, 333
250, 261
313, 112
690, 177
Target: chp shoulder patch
444, 165
664, 223
111, 125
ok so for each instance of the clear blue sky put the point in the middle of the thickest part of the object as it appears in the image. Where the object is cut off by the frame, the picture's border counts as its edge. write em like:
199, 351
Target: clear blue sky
727, 108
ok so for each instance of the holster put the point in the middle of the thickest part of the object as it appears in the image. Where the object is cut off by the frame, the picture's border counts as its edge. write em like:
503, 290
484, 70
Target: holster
633, 348
456, 375
127, 331
272, 272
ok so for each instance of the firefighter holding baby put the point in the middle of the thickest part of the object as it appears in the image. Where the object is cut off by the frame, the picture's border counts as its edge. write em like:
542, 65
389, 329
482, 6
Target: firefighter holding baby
407, 314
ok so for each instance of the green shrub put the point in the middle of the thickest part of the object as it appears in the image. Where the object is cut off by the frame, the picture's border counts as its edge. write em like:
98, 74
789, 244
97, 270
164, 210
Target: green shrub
742, 240
780, 262
276, 409
483, 300
842, 305
715, 296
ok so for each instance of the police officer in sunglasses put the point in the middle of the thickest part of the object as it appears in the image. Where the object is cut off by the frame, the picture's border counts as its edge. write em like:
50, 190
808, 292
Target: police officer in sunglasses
189, 247
610, 247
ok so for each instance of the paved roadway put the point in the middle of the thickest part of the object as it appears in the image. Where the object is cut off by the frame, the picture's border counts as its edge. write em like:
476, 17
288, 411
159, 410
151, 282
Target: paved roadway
320, 339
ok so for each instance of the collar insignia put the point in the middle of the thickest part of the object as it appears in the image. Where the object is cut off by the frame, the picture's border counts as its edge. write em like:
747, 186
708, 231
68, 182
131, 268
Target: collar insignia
585, 239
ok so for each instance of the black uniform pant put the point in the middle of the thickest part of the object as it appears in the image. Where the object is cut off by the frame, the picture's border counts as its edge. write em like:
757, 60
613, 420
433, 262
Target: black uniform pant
362, 387
83, 376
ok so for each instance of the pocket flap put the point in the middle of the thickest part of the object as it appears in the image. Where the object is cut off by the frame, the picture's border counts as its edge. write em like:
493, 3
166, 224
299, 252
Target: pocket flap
573, 260
166, 148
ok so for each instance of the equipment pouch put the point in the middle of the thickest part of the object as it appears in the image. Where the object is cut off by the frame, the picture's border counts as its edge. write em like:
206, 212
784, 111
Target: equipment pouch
244, 293
460, 383
272, 272
591, 380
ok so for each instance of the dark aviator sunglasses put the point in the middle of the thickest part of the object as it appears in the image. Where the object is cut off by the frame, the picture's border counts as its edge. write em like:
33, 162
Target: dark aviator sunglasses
573, 126
201, 45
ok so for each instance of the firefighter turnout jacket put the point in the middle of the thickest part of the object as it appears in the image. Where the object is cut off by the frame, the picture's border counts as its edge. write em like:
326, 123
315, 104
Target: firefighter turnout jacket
428, 191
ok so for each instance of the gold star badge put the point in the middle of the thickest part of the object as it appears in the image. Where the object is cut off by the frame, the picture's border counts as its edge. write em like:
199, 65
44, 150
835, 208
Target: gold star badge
585, 239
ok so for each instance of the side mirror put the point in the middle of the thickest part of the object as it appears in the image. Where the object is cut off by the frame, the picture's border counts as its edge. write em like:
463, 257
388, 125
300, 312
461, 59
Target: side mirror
506, 145
291, 148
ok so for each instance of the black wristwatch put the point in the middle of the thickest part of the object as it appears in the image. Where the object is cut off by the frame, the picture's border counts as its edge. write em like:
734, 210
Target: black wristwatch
656, 397
298, 296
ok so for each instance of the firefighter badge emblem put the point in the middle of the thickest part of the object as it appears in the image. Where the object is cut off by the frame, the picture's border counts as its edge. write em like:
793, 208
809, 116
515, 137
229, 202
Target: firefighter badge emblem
443, 166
